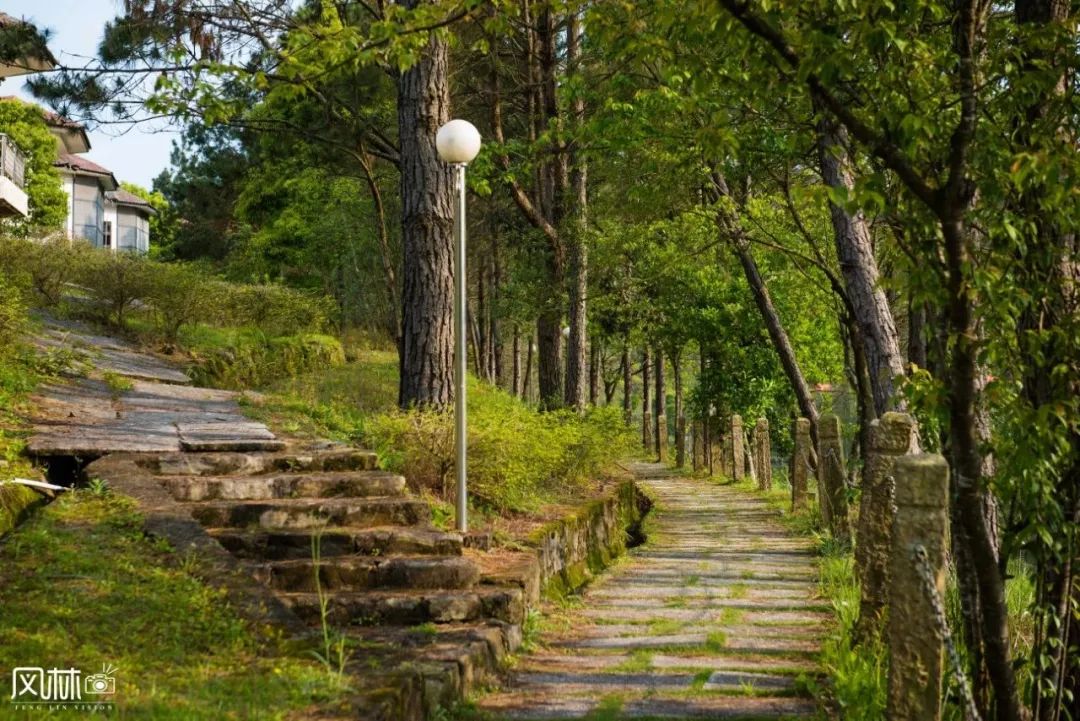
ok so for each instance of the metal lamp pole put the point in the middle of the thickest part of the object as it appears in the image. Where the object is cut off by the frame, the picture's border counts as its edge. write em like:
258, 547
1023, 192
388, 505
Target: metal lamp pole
458, 142
460, 350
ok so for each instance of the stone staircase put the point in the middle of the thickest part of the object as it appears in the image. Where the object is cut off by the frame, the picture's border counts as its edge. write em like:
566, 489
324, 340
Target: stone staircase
426, 626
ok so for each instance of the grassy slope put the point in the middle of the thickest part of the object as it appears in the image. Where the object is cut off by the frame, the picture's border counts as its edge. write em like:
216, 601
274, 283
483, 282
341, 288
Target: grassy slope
81, 586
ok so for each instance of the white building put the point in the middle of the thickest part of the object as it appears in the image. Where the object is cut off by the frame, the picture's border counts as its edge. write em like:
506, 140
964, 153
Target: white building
99, 211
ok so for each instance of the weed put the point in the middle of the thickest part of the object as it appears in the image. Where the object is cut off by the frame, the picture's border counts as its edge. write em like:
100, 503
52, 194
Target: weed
716, 641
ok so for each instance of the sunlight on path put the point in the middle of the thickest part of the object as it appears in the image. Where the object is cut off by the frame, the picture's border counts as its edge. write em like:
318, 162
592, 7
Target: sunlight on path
715, 617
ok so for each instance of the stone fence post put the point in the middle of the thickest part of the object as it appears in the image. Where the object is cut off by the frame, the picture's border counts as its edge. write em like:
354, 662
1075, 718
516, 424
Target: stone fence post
917, 565
832, 483
800, 463
737, 457
763, 454
890, 438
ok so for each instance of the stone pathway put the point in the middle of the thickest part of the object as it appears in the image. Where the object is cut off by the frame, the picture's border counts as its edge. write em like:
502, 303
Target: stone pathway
715, 617
153, 409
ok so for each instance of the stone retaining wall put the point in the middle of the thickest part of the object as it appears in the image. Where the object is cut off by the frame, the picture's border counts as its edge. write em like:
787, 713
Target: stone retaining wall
571, 550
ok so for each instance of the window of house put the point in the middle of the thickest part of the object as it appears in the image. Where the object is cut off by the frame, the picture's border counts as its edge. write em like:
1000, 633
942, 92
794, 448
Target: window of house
107, 239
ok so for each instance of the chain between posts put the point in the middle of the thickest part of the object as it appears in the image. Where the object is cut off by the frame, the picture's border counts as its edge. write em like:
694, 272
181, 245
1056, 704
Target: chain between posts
926, 576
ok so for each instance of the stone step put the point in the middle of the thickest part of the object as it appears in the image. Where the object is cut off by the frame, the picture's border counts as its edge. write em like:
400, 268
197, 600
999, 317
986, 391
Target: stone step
513, 706
693, 662
317, 484
644, 682
350, 573
250, 464
276, 545
409, 608
303, 513
721, 643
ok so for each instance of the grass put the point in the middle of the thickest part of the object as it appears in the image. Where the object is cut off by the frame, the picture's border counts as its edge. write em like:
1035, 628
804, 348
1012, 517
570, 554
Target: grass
81, 586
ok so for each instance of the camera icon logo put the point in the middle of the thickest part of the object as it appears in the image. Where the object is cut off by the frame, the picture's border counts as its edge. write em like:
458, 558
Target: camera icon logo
101, 684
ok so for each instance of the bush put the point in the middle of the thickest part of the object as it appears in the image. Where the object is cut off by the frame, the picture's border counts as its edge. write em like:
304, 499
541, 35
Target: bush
48, 266
116, 281
518, 458
12, 312
180, 296
275, 309
251, 359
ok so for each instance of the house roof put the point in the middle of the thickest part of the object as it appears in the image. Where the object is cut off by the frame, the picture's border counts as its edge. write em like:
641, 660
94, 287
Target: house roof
69, 133
123, 197
84, 166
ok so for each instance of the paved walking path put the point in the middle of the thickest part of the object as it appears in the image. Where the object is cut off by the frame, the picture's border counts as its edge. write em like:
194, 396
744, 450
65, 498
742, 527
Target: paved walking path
154, 408
716, 616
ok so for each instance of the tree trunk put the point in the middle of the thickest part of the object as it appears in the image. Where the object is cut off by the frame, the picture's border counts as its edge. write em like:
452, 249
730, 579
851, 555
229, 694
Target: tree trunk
855, 251
427, 215
680, 418
516, 367
660, 415
628, 384
577, 349
526, 381
646, 408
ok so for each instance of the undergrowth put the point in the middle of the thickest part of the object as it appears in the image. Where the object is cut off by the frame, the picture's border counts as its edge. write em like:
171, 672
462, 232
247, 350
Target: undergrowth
82, 586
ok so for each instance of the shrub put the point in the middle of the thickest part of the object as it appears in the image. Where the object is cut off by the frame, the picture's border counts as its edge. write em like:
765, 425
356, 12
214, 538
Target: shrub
251, 359
47, 265
518, 458
12, 312
116, 281
275, 309
180, 295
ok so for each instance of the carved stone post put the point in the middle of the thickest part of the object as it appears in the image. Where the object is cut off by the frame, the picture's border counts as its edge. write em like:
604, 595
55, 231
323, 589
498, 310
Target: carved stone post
832, 486
735, 440
763, 454
890, 438
800, 463
917, 560
716, 448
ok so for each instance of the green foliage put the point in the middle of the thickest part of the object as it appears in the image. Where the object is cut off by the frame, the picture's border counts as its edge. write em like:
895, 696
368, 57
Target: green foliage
249, 358
85, 557
25, 125
180, 296
46, 265
518, 458
12, 312
115, 282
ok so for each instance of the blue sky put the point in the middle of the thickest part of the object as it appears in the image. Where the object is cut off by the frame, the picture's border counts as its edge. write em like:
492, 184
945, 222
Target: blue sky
136, 153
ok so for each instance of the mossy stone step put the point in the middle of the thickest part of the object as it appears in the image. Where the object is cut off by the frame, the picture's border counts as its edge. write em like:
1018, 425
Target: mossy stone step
655, 706
352, 573
275, 545
316, 484
311, 514
227, 464
410, 608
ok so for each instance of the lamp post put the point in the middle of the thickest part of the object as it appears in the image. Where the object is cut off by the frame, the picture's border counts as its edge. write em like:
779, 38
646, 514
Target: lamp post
458, 142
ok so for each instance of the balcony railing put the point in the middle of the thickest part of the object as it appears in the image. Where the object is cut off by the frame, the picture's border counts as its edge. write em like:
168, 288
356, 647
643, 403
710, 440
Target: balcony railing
12, 161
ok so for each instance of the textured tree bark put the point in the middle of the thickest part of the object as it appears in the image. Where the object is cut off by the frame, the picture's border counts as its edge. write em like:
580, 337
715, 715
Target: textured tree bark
646, 408
680, 417
628, 385
577, 348
855, 250
516, 368
549, 342
660, 404
526, 380
427, 335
